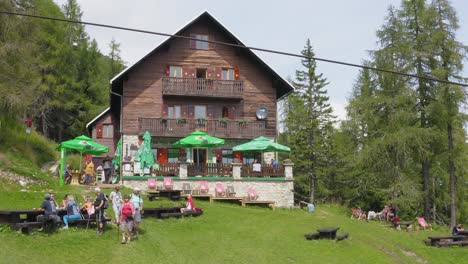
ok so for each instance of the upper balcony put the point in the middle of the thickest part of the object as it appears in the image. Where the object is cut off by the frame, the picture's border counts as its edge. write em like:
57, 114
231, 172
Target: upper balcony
236, 129
203, 87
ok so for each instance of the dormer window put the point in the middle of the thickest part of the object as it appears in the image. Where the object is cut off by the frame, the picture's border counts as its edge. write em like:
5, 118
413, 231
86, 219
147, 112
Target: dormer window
202, 45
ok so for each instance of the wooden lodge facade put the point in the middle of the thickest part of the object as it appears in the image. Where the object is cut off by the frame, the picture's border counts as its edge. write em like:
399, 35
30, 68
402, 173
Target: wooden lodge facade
185, 85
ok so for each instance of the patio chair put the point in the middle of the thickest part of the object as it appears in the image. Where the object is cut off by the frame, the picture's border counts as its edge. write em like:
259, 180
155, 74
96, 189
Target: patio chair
422, 222
186, 188
252, 195
167, 183
152, 183
203, 187
219, 190
230, 191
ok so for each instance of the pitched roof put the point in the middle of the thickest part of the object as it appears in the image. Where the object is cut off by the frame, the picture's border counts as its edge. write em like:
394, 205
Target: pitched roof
97, 118
283, 86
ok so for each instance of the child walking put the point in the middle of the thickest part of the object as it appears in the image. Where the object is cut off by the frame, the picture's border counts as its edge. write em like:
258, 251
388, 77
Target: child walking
127, 214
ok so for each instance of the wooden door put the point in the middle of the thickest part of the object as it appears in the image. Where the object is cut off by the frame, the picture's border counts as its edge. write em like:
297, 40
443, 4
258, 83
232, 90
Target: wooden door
162, 155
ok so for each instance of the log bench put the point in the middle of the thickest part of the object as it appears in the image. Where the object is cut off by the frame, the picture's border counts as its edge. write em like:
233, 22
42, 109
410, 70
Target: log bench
177, 215
446, 240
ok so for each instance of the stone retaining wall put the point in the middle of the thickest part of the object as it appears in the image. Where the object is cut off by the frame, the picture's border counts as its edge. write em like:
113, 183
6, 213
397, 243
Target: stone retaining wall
279, 191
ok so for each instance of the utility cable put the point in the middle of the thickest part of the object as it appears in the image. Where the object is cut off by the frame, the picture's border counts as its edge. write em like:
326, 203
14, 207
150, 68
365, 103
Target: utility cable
237, 46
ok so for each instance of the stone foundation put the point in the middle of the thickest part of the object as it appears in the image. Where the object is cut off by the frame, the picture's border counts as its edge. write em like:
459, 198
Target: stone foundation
279, 191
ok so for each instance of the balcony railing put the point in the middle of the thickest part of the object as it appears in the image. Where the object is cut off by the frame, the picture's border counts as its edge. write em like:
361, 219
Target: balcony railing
202, 87
219, 128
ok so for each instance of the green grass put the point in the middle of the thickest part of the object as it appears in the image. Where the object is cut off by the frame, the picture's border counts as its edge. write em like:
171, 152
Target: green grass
226, 233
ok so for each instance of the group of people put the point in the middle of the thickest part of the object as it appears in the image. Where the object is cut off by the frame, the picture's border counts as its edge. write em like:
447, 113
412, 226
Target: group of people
127, 210
87, 178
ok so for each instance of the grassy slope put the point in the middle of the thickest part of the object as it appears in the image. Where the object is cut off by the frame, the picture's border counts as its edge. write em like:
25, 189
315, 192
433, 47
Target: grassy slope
226, 233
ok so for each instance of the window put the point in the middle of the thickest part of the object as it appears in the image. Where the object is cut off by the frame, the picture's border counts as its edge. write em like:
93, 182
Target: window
228, 74
175, 71
200, 111
201, 44
227, 156
108, 131
173, 155
173, 111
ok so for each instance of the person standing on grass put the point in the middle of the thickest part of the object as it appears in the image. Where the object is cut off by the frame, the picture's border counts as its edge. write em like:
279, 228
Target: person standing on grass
116, 200
137, 201
99, 210
107, 164
73, 213
127, 215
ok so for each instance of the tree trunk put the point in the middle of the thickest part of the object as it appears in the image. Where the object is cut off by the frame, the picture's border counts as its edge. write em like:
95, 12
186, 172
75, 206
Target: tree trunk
427, 201
312, 187
45, 129
453, 209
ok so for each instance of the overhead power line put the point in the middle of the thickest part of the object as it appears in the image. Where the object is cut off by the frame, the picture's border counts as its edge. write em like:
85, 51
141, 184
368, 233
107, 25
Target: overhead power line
238, 46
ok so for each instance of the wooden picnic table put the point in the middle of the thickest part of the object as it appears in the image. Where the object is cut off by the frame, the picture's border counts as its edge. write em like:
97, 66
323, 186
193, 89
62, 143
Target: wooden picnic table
157, 211
403, 224
328, 232
18, 216
448, 240
171, 194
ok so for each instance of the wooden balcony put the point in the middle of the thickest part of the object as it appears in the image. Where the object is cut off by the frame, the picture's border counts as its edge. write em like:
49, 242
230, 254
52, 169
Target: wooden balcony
203, 87
235, 129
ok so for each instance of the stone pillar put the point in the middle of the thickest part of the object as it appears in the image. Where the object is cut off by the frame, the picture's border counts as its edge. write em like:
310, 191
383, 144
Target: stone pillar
236, 171
288, 170
183, 170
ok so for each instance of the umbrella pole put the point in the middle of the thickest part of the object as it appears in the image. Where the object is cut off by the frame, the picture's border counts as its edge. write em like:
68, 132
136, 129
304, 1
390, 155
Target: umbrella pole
81, 154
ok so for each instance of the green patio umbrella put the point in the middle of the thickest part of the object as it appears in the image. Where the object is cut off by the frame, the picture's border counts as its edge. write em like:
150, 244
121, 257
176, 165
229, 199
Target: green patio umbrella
198, 139
82, 144
118, 155
145, 154
261, 144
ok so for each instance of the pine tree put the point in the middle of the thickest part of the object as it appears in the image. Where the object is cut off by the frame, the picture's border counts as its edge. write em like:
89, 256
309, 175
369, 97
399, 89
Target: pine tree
309, 121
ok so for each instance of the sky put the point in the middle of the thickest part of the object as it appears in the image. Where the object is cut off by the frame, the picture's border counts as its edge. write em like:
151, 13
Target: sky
338, 30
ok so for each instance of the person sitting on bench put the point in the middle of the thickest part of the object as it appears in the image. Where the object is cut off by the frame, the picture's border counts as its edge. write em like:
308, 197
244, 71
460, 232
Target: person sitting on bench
49, 206
73, 212
188, 205
88, 208
456, 229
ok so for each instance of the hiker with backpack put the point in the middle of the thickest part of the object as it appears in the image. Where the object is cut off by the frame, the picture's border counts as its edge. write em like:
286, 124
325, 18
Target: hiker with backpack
99, 206
137, 201
127, 215
73, 213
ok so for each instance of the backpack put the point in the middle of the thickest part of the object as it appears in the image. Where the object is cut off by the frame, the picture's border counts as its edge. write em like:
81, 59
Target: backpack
106, 202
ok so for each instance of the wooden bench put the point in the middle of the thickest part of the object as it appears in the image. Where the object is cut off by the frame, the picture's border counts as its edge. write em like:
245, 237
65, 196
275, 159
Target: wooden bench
190, 213
157, 211
255, 202
235, 199
303, 204
445, 240
342, 236
405, 224
452, 243
203, 196
86, 221
26, 227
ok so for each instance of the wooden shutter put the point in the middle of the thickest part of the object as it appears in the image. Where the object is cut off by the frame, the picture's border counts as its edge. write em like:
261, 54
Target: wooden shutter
211, 46
99, 131
236, 73
190, 111
219, 73
167, 71
164, 110
193, 44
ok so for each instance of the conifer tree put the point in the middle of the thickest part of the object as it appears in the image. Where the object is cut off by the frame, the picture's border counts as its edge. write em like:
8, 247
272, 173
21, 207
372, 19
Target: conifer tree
309, 121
